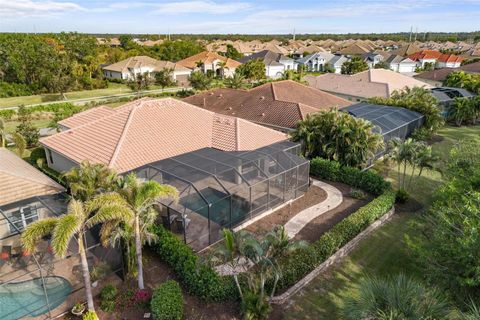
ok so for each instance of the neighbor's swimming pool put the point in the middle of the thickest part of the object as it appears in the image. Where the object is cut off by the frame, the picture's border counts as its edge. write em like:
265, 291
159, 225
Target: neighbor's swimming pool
27, 298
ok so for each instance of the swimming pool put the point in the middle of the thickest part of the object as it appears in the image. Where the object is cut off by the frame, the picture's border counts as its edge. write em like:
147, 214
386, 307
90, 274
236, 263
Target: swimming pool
220, 210
27, 298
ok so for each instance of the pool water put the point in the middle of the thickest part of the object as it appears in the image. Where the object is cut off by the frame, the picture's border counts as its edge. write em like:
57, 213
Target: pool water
220, 210
27, 298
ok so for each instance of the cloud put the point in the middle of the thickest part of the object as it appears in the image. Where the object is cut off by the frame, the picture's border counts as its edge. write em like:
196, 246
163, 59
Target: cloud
9, 8
200, 6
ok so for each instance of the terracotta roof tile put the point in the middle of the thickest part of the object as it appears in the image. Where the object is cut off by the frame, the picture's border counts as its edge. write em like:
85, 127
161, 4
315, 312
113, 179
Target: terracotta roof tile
148, 130
19, 180
207, 57
86, 116
281, 104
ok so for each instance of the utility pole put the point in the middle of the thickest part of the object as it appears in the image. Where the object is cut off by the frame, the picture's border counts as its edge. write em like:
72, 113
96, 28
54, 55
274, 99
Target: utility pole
293, 34
410, 38
416, 32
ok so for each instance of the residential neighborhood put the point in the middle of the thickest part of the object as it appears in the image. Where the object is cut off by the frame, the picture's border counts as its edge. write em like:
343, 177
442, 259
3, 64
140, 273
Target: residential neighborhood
239, 160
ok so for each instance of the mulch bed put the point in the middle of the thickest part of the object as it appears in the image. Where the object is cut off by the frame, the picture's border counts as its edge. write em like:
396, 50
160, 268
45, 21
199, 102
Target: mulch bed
318, 226
313, 196
157, 272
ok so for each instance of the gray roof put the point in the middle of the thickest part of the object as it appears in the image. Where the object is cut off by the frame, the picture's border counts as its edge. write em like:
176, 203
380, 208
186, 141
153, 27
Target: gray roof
338, 60
445, 94
385, 118
325, 55
268, 57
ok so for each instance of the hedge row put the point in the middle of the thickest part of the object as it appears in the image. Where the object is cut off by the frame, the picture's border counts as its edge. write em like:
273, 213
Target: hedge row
367, 180
203, 281
198, 278
167, 301
299, 264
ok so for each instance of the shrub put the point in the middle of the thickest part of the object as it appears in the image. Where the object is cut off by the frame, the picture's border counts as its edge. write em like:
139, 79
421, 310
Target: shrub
304, 261
36, 154
357, 194
401, 196
199, 279
107, 298
142, 297
368, 181
90, 315
167, 301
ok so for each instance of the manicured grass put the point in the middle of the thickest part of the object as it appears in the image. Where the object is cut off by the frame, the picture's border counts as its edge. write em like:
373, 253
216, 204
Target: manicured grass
382, 253
12, 125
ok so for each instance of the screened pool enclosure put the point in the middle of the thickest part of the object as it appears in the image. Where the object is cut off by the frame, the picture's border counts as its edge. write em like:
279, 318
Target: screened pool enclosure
220, 189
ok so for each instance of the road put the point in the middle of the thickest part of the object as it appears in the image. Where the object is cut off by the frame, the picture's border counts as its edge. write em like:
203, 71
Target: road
102, 98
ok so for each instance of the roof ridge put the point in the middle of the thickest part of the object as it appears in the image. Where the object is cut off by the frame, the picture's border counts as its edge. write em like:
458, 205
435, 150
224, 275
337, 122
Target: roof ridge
123, 135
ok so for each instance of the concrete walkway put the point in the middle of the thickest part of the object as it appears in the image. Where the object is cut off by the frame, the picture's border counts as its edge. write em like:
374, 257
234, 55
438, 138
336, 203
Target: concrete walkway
299, 221
294, 225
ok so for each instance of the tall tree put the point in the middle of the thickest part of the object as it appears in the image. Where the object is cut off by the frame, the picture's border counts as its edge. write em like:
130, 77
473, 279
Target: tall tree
356, 65
138, 198
140, 82
164, 78
199, 80
232, 53
26, 128
20, 144
338, 136
252, 70
88, 180
70, 227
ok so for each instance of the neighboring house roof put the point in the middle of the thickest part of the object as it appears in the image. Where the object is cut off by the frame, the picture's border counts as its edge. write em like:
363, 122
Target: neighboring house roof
275, 47
394, 58
281, 104
207, 57
325, 55
437, 55
446, 94
406, 50
366, 84
338, 60
441, 74
148, 130
86, 116
19, 180
268, 57
354, 49
143, 61
310, 49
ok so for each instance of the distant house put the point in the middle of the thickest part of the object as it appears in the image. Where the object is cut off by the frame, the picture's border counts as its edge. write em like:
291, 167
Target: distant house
364, 85
337, 62
401, 64
354, 49
437, 77
279, 105
315, 61
307, 50
406, 50
436, 58
372, 59
446, 97
129, 68
207, 61
275, 63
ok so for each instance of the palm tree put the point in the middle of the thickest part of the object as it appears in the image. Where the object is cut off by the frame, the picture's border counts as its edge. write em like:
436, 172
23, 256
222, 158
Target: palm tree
20, 143
72, 226
399, 297
3, 134
237, 81
462, 110
138, 198
306, 133
87, 180
222, 65
425, 159
403, 153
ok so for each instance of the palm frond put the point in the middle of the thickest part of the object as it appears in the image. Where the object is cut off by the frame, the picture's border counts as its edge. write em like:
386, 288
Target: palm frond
37, 230
111, 212
63, 233
106, 199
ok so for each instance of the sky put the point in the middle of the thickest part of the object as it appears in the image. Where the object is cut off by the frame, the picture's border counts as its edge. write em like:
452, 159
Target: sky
244, 16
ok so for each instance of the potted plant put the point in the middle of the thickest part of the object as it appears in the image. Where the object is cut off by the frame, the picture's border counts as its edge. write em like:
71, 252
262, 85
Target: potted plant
78, 309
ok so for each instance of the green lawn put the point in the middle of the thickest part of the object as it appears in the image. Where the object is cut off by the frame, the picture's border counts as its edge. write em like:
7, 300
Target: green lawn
42, 123
383, 253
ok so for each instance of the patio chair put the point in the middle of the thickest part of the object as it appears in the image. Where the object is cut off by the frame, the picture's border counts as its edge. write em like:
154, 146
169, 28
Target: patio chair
180, 224
23, 259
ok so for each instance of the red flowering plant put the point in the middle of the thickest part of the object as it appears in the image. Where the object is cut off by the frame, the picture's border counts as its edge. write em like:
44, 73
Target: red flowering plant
142, 298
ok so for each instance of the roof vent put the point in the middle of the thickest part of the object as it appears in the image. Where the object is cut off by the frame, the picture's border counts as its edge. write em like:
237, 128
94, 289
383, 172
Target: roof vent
262, 98
220, 95
229, 108
210, 93
263, 114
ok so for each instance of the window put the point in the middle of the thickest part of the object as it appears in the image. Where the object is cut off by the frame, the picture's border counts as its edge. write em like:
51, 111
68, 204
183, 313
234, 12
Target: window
20, 219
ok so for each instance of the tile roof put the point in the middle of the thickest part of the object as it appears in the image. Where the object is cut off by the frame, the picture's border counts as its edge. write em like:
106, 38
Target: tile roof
268, 57
20, 181
86, 116
441, 74
433, 54
143, 61
148, 130
281, 104
406, 50
366, 84
207, 57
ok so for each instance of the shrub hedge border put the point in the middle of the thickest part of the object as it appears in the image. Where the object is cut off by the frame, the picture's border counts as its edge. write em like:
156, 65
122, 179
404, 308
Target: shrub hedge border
203, 281
167, 301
